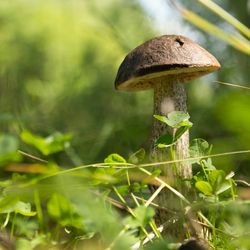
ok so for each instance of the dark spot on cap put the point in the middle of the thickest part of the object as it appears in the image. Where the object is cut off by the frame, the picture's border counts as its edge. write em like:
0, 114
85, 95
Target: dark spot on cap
178, 40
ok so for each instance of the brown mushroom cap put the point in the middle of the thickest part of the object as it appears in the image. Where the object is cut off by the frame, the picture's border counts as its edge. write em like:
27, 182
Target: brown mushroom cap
168, 56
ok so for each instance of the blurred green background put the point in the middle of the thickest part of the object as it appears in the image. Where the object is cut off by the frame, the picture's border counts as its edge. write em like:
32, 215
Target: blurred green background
58, 62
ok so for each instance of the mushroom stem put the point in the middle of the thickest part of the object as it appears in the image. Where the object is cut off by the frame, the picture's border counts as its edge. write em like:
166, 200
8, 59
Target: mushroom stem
170, 95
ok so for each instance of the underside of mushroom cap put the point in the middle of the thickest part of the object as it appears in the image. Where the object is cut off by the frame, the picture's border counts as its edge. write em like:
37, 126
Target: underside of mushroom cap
167, 56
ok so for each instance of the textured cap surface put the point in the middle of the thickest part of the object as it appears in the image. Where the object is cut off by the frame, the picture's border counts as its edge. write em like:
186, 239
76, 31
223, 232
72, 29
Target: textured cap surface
165, 56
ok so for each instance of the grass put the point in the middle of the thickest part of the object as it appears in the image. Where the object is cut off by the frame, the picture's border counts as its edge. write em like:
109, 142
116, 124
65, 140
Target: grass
62, 208
108, 205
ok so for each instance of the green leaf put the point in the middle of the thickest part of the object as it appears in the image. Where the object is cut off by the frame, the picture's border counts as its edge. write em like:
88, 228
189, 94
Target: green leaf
223, 187
179, 132
156, 172
168, 140
54, 143
218, 181
208, 164
62, 210
137, 157
115, 158
216, 177
24, 209
10, 204
161, 118
198, 148
175, 119
123, 189
165, 141
142, 216
204, 187
7, 204
103, 176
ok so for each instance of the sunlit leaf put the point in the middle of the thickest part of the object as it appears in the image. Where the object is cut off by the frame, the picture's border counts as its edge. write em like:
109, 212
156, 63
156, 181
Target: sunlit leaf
12, 204
114, 158
204, 187
223, 187
161, 118
175, 119
24, 209
48, 145
216, 177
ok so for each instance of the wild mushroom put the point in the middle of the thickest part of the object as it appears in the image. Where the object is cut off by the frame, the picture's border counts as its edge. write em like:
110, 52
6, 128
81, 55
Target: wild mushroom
163, 64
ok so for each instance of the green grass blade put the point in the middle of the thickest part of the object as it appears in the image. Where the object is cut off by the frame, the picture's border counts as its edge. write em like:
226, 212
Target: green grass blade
235, 41
233, 85
226, 16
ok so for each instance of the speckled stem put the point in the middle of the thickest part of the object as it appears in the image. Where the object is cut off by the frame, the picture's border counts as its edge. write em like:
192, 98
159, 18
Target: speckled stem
169, 95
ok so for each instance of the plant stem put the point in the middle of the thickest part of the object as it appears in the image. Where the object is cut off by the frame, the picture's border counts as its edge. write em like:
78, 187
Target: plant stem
13, 226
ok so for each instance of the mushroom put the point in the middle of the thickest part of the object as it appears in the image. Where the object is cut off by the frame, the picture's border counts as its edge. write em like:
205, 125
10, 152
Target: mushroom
163, 64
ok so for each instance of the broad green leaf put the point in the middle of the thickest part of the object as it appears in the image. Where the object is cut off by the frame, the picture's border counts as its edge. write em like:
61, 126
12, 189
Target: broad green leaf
165, 141
137, 157
115, 158
32, 243
161, 118
208, 164
218, 181
134, 187
204, 187
143, 215
216, 178
103, 176
198, 148
24, 209
223, 187
123, 189
7, 204
10, 204
156, 172
49, 145
179, 132
137, 187
175, 119
62, 210
168, 140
